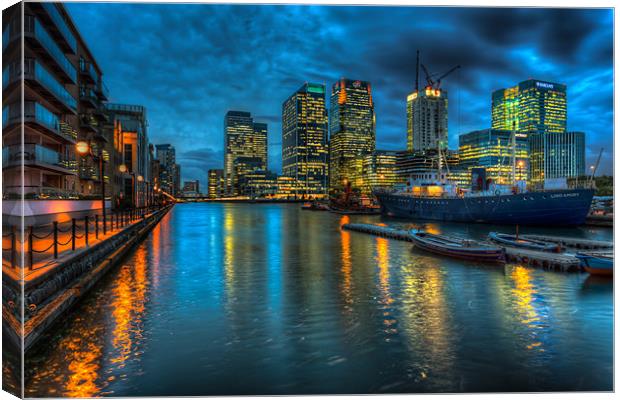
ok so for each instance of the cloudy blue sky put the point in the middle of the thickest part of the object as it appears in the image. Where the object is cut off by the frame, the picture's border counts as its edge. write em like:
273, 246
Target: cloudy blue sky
189, 64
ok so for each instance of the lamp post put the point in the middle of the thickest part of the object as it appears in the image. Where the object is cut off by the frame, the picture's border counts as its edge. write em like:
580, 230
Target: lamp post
84, 148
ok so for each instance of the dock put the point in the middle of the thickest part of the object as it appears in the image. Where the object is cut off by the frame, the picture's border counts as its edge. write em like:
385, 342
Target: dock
573, 243
563, 262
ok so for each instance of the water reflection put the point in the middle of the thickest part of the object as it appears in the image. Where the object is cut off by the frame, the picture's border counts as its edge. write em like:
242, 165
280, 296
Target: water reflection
345, 240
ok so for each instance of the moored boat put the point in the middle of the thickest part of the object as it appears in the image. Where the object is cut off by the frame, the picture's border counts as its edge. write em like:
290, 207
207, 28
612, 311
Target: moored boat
457, 247
597, 263
315, 206
516, 241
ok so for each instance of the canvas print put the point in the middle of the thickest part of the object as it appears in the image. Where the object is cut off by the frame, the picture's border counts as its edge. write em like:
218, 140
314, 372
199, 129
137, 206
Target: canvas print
234, 199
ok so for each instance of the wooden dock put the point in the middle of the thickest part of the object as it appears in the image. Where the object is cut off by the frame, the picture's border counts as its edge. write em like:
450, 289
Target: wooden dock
564, 262
573, 243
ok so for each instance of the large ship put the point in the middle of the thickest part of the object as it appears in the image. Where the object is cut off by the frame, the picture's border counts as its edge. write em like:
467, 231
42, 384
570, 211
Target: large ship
434, 198
568, 207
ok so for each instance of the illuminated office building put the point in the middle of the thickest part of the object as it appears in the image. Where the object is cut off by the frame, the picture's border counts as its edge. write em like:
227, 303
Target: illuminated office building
556, 155
379, 171
304, 138
531, 106
242, 138
216, 183
427, 120
492, 149
352, 130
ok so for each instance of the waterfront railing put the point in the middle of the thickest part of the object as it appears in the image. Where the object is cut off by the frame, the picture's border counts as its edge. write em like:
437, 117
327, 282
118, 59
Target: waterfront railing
43, 244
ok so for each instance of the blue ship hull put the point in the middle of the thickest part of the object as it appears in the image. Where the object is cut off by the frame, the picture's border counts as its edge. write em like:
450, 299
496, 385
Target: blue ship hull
558, 207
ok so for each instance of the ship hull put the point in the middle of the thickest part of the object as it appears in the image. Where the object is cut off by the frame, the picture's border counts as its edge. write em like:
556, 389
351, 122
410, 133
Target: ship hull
558, 208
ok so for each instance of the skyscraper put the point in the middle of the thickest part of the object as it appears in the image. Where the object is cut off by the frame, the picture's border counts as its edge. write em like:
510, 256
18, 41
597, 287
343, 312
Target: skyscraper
352, 130
557, 155
242, 138
166, 154
427, 119
531, 106
304, 138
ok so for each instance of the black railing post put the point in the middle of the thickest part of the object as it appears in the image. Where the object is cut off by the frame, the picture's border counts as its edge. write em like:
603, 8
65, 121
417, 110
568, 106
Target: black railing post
86, 230
30, 250
73, 234
55, 239
97, 226
13, 245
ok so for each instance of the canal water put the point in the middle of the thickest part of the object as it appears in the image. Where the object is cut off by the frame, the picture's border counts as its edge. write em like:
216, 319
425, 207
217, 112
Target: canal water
270, 299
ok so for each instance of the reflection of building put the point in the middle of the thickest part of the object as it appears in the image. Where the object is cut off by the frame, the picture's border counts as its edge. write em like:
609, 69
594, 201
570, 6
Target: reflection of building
216, 183
304, 138
242, 138
63, 93
427, 120
531, 106
556, 155
379, 170
352, 130
492, 150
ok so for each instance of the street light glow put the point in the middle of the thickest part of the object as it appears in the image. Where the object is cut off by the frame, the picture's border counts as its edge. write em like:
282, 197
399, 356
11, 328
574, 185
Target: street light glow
122, 168
82, 147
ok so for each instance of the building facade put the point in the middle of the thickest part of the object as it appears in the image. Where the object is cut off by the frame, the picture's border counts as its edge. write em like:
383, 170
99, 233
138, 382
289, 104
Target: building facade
351, 130
556, 155
530, 106
427, 120
379, 171
166, 154
305, 152
492, 149
63, 94
242, 138
216, 184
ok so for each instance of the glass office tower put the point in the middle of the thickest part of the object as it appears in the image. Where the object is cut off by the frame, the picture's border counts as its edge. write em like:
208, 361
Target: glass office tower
304, 139
352, 130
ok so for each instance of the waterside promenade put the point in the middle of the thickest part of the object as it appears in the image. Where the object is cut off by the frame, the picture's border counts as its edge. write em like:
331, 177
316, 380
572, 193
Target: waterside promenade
63, 261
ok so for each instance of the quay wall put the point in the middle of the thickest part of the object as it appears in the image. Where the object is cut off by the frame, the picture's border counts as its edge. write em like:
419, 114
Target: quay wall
50, 295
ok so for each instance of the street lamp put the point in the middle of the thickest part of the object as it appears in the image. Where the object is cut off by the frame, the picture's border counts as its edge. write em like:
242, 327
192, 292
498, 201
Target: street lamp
84, 149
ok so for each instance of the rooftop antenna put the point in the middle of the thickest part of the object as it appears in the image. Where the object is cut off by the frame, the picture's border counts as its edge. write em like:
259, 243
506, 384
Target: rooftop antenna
417, 70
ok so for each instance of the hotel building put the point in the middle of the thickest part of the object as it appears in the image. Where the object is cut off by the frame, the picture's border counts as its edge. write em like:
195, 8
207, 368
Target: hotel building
242, 138
305, 152
352, 130
427, 120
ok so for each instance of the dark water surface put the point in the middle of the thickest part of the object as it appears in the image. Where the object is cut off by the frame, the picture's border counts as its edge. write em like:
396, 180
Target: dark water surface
261, 299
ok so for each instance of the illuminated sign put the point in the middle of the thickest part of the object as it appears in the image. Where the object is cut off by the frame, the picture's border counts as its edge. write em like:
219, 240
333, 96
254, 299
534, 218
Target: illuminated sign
544, 85
412, 96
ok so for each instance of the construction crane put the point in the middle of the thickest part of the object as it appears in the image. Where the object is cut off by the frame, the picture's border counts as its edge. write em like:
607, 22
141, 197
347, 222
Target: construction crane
436, 84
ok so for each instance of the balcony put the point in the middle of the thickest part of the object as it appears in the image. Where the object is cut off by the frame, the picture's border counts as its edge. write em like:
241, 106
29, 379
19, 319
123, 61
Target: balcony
44, 82
60, 27
88, 97
35, 156
88, 71
37, 117
41, 42
102, 90
89, 123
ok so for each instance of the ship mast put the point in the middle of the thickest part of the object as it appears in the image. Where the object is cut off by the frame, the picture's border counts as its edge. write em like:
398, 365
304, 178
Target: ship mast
514, 154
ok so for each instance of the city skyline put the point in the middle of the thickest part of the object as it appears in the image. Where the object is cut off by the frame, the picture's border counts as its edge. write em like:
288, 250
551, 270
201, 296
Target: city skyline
213, 82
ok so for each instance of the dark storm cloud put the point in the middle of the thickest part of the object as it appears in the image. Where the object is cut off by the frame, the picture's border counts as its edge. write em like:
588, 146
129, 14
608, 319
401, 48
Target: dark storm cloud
189, 64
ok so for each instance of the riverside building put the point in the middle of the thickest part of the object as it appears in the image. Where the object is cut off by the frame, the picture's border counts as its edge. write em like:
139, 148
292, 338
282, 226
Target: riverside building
492, 149
242, 138
557, 155
379, 171
427, 120
305, 153
166, 154
352, 130
216, 184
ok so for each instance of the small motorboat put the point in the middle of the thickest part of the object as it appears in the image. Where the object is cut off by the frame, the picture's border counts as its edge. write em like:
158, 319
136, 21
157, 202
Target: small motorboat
516, 241
597, 263
457, 247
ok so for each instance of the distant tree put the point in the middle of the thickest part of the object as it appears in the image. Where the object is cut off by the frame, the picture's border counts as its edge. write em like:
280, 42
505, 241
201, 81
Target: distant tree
604, 185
